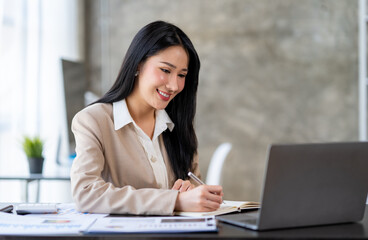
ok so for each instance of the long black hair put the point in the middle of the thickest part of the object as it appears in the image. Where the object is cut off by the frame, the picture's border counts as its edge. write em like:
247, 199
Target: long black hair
181, 144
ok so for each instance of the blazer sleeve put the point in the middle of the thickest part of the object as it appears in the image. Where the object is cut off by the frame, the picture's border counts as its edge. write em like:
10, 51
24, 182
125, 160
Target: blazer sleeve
91, 193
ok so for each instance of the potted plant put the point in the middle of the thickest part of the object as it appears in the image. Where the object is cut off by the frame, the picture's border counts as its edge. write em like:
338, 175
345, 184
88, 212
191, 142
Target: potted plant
33, 148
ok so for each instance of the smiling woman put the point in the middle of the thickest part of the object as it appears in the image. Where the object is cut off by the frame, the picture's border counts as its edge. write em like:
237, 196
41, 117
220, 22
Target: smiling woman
159, 80
137, 143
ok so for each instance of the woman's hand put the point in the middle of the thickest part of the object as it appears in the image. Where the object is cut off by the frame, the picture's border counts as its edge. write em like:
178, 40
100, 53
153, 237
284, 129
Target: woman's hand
204, 198
182, 185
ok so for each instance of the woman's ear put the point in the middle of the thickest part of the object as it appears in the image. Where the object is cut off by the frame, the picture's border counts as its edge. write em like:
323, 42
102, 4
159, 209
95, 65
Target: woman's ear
138, 70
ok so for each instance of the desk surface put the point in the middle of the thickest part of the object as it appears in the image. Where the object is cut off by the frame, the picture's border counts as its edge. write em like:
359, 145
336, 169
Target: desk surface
340, 231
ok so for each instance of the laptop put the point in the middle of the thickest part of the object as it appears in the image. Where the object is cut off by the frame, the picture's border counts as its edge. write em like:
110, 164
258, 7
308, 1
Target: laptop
309, 185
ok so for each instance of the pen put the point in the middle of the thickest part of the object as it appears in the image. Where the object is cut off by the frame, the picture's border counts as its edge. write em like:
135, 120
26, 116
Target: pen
195, 178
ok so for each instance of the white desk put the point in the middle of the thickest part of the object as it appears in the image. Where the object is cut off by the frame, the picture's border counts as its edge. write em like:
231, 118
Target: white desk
34, 177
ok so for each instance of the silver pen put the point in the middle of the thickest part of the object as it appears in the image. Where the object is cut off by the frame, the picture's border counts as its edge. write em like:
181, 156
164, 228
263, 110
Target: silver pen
196, 179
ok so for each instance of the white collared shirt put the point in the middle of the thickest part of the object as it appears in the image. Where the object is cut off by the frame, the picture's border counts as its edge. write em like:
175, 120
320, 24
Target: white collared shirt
122, 118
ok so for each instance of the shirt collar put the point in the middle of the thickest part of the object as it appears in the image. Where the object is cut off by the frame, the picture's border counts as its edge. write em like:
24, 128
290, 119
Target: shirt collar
122, 118
163, 122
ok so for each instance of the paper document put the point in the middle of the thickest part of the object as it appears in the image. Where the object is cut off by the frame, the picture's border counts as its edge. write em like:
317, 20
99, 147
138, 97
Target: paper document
153, 225
67, 221
11, 224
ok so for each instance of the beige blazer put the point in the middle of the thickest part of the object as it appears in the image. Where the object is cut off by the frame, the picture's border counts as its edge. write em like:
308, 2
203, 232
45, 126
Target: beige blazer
111, 172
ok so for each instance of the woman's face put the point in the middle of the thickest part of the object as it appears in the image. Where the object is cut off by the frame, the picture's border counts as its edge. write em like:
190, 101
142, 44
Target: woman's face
162, 76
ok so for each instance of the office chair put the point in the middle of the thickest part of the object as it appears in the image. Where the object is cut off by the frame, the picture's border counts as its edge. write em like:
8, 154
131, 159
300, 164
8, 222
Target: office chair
217, 161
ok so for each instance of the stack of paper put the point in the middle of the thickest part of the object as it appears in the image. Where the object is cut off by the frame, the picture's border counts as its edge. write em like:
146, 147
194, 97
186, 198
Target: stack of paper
11, 224
67, 221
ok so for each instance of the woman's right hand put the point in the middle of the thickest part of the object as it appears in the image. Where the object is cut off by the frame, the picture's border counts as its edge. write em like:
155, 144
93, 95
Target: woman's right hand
204, 198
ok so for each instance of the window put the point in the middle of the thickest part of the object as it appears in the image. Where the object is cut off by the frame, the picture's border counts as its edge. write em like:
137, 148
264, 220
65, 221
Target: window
34, 36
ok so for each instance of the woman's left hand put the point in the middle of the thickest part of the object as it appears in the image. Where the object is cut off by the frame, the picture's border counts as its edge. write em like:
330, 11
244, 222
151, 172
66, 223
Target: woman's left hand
182, 185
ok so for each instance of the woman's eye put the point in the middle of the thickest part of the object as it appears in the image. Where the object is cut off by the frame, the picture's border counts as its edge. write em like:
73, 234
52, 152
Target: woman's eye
182, 75
165, 70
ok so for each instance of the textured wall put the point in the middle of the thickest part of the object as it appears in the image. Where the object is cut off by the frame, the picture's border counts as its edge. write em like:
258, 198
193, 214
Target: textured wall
272, 71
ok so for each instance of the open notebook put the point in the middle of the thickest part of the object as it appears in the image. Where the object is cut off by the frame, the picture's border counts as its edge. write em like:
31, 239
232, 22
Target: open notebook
226, 207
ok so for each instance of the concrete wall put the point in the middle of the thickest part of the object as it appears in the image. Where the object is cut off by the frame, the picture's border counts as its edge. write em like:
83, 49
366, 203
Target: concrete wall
272, 72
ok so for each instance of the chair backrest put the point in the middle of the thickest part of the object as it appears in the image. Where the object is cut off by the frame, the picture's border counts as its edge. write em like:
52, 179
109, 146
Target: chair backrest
217, 161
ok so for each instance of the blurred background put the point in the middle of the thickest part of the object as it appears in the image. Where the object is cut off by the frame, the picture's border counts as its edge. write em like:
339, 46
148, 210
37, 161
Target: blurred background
279, 71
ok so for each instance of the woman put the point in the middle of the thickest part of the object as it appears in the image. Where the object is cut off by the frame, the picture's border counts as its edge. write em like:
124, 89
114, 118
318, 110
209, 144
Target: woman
137, 143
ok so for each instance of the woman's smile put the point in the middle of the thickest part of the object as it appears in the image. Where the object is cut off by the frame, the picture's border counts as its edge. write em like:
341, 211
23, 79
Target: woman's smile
163, 95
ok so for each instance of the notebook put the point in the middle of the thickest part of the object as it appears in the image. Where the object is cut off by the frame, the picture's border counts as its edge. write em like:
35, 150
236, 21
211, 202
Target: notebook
310, 184
226, 207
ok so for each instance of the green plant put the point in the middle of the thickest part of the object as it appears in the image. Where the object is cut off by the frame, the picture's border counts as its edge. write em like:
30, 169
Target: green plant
33, 147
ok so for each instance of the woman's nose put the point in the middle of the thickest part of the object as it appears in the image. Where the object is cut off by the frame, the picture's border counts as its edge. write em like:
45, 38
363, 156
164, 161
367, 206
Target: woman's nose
172, 85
